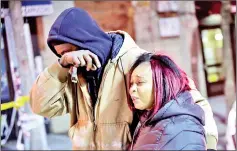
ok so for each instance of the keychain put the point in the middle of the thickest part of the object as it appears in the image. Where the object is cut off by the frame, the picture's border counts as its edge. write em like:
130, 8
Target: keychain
74, 77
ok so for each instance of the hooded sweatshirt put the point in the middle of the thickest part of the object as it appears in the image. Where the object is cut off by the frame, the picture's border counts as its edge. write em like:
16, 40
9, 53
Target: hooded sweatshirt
76, 26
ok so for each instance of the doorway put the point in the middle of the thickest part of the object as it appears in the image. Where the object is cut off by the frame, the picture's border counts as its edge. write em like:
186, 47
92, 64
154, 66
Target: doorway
212, 50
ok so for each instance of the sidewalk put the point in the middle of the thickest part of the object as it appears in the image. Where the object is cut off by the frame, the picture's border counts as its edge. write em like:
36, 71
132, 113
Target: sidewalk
218, 105
55, 142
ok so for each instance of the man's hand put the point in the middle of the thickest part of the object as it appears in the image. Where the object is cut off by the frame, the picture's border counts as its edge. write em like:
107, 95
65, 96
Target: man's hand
81, 58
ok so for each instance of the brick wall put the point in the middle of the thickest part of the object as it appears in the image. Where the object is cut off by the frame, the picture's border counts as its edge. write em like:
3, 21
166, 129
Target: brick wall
110, 15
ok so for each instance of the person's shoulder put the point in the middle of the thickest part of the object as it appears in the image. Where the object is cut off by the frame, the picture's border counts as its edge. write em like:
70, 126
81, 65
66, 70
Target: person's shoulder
175, 129
139, 50
178, 123
134, 53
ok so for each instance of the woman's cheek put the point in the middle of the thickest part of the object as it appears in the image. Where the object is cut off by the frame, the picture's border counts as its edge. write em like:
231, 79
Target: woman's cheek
143, 91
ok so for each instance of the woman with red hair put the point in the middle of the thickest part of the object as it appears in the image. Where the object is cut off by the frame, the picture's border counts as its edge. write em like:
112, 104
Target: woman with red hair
168, 117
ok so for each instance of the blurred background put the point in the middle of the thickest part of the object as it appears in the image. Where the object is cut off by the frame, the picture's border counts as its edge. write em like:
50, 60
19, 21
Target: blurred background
200, 36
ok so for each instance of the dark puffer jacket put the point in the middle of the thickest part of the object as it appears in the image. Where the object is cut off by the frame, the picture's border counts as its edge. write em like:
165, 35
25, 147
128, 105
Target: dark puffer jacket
176, 126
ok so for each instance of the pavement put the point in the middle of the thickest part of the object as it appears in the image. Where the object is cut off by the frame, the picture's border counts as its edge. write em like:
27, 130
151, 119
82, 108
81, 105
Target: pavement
219, 109
55, 142
62, 142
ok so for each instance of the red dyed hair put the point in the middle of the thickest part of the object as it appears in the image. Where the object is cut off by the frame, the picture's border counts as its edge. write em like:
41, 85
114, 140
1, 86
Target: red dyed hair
168, 79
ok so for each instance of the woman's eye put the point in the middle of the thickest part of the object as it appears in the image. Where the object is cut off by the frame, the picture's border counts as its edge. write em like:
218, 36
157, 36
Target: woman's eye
140, 82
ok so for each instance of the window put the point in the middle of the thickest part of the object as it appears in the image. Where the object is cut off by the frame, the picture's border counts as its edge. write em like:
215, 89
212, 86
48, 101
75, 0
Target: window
212, 40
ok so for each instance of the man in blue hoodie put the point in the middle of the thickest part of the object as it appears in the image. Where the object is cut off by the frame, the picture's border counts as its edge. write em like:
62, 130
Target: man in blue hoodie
100, 116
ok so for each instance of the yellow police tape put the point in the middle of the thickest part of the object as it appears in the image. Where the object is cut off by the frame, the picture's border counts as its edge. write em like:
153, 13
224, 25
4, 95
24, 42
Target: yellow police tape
20, 101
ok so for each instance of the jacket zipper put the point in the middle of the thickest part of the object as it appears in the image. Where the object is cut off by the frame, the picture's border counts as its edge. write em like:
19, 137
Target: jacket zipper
99, 96
96, 104
94, 128
94, 124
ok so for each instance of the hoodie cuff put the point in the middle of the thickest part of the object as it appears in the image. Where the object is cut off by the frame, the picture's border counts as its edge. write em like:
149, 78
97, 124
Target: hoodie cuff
58, 72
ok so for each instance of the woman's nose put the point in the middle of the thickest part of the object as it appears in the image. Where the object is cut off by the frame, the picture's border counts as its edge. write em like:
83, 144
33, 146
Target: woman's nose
132, 88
